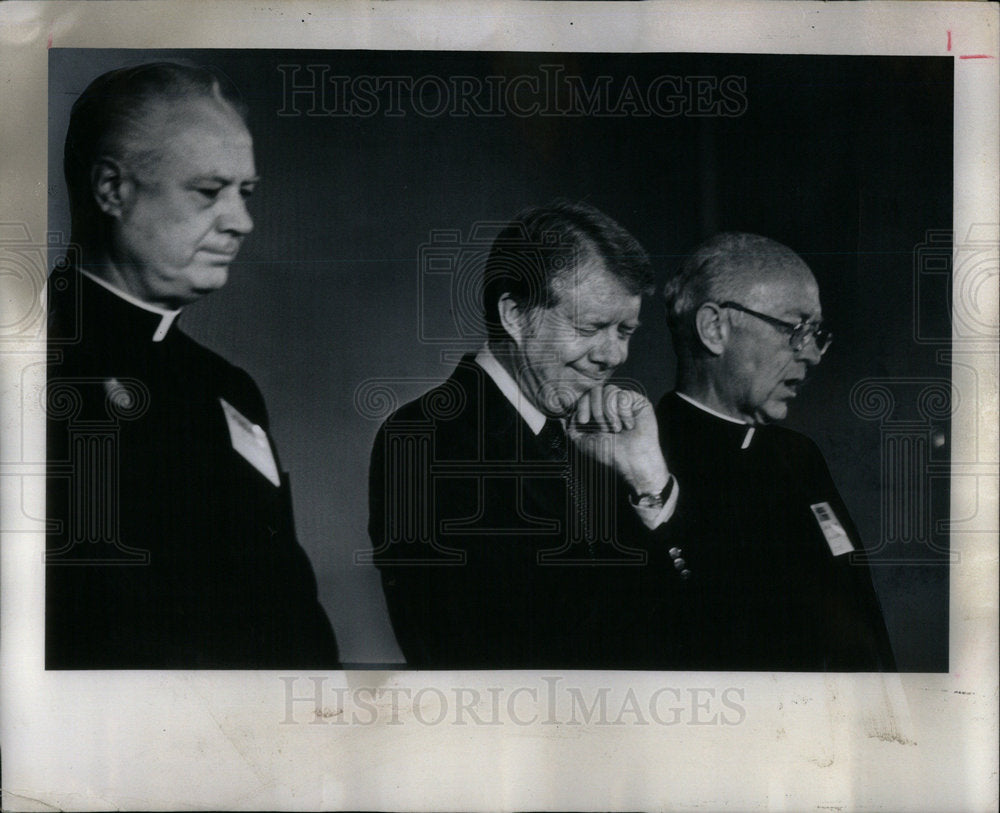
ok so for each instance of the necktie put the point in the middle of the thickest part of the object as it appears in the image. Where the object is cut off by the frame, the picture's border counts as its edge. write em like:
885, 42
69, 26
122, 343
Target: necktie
577, 470
553, 440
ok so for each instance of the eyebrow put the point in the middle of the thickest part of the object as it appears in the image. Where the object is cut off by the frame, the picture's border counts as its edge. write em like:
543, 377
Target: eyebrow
222, 179
603, 324
798, 315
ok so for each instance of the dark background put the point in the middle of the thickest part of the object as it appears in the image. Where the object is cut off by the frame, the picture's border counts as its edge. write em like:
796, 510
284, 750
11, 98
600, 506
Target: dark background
846, 159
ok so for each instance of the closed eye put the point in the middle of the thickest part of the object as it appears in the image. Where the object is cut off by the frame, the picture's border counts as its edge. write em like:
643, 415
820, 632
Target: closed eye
208, 192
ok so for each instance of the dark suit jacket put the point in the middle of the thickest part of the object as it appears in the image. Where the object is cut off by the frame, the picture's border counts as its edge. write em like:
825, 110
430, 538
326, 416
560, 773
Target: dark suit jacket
166, 548
767, 592
473, 532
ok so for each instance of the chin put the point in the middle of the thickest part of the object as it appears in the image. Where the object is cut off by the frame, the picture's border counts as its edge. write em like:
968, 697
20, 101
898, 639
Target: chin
557, 407
558, 400
211, 278
770, 413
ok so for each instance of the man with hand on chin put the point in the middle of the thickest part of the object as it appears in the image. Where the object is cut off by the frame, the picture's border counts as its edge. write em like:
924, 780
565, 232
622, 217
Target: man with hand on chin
171, 538
518, 510
781, 581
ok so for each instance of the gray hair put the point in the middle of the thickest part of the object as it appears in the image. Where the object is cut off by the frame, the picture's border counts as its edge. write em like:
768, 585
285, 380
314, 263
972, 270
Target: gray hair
722, 268
113, 117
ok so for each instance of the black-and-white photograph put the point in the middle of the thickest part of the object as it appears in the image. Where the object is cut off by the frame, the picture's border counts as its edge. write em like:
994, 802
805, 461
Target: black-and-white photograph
532, 406
498, 360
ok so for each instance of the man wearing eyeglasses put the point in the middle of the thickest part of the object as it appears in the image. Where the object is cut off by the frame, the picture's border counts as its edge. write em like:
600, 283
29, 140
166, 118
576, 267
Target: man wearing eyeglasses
776, 583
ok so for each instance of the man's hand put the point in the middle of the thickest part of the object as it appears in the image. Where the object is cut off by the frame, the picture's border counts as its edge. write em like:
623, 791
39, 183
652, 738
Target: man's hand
618, 428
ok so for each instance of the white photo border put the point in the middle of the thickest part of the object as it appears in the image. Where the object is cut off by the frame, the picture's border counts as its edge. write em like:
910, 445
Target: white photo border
373, 740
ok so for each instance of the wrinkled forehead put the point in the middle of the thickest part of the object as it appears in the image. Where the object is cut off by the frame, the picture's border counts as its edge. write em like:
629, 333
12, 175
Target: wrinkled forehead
589, 291
576, 268
587, 273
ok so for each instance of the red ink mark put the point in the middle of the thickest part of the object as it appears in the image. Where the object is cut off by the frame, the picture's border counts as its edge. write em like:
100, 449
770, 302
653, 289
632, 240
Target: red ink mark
50, 40
949, 40
975, 56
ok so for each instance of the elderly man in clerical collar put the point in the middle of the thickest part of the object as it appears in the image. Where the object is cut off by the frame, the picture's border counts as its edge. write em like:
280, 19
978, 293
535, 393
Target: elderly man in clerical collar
781, 582
172, 542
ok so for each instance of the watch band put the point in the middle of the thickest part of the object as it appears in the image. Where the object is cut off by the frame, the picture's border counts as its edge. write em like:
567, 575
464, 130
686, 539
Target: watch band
652, 500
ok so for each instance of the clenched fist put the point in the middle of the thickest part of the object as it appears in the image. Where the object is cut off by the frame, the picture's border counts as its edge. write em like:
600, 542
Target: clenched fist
618, 428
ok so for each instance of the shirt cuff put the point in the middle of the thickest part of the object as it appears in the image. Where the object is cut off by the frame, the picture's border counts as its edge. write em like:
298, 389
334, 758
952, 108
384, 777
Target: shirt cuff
653, 518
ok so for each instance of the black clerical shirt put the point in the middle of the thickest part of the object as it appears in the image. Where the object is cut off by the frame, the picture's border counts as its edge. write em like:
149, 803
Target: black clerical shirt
775, 584
171, 541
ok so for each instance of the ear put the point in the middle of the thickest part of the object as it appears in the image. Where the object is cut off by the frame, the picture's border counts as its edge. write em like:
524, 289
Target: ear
110, 186
514, 318
712, 329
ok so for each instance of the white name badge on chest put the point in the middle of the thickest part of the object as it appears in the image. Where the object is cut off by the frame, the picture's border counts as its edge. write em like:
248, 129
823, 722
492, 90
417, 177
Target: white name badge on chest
836, 536
251, 442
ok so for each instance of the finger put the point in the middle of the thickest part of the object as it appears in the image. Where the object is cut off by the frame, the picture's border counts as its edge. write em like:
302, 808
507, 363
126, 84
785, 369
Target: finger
597, 408
581, 416
612, 408
626, 409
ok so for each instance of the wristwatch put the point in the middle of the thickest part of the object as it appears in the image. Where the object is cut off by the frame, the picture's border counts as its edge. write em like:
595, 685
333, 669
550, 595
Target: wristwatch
651, 500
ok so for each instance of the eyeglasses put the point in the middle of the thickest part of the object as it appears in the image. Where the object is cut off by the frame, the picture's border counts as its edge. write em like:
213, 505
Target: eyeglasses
798, 334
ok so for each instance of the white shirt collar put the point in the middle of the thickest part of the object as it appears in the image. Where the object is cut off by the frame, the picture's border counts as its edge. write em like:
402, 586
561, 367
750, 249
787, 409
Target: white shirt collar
709, 410
535, 418
532, 415
750, 427
167, 317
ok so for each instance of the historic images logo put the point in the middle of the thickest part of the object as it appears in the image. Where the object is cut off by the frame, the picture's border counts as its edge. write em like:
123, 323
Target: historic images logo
314, 90
549, 702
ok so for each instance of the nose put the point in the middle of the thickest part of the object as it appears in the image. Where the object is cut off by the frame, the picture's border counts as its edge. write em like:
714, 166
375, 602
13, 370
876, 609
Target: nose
809, 352
234, 217
610, 351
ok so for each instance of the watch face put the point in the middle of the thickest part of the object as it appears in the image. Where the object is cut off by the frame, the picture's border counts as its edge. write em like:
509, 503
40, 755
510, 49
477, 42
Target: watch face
653, 500
648, 500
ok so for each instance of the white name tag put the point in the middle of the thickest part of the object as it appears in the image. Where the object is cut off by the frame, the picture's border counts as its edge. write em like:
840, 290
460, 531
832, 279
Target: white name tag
836, 536
251, 442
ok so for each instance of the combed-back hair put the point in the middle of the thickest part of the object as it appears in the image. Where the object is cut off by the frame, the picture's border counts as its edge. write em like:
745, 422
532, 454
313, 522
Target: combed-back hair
114, 118
543, 243
722, 268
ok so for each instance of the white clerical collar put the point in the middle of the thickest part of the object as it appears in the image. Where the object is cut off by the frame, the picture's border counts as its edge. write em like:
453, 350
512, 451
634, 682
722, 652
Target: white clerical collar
710, 411
532, 415
167, 317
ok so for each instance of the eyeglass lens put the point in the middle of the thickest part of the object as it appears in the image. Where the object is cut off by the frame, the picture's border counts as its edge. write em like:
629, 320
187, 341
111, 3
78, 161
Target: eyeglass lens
820, 336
